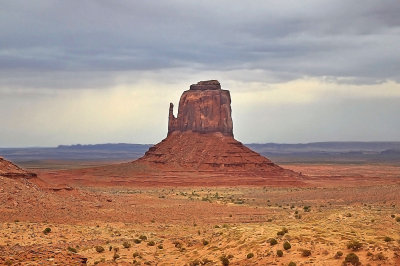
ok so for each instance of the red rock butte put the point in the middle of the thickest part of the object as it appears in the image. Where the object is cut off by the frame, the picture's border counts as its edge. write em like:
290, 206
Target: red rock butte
199, 150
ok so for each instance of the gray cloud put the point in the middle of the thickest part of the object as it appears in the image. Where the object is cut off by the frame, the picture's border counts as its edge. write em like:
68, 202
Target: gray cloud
292, 39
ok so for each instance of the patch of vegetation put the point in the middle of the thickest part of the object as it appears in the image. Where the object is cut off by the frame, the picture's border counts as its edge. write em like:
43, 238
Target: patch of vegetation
307, 208
99, 249
279, 253
354, 245
205, 242
338, 255
177, 244
352, 258
380, 256
71, 249
272, 241
287, 246
387, 239
250, 255
126, 244
292, 263
47, 230
137, 241
306, 253
116, 256
160, 246
398, 219
136, 254
224, 260
151, 243
143, 237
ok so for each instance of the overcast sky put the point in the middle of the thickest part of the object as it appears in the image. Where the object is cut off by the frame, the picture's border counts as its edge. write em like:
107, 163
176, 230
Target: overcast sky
105, 71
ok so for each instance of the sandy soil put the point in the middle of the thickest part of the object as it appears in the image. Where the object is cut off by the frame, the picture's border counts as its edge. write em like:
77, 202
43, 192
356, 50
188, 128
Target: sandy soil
194, 225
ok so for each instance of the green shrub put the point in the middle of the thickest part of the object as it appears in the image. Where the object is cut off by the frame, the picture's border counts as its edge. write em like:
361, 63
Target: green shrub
250, 255
287, 246
272, 241
279, 253
71, 249
354, 245
338, 255
47, 230
307, 208
352, 258
126, 244
151, 243
99, 249
306, 253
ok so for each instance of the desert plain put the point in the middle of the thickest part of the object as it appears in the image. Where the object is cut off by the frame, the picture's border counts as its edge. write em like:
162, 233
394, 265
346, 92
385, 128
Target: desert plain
339, 209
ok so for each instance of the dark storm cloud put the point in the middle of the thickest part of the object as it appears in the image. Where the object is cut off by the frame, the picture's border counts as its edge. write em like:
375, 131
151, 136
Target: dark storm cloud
290, 39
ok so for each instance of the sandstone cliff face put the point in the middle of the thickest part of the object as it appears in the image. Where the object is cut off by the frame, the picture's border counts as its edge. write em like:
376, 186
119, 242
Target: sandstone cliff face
205, 108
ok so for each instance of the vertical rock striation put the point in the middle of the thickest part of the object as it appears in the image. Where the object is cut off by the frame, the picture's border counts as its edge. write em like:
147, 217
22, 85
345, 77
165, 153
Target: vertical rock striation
205, 108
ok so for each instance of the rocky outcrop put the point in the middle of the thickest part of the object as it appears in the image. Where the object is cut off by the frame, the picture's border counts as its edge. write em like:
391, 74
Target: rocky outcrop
8, 169
205, 108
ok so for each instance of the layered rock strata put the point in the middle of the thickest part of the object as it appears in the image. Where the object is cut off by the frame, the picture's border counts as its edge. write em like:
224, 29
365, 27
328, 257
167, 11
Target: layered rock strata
8, 169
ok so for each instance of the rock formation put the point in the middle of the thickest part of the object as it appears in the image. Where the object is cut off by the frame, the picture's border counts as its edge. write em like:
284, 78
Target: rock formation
205, 108
201, 138
8, 169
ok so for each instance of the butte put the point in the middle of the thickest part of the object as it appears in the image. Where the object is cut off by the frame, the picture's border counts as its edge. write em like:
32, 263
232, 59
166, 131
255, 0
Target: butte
200, 149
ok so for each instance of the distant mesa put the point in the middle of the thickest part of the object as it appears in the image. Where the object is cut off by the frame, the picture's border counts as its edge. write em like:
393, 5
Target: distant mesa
8, 169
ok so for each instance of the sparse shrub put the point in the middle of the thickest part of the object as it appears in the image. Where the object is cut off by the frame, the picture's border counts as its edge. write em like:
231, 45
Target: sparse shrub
279, 253
348, 215
380, 256
126, 244
136, 254
307, 208
8, 262
369, 254
250, 255
137, 241
292, 263
280, 233
143, 237
196, 262
177, 244
354, 245
47, 230
109, 248
160, 246
352, 258
393, 216
99, 249
287, 246
272, 241
205, 242
116, 256
151, 243
387, 239
224, 260
306, 253
71, 249
398, 219
338, 255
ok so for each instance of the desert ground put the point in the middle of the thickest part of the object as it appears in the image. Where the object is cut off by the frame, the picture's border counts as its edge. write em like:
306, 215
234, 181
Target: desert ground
342, 209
